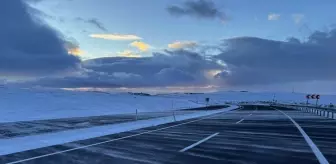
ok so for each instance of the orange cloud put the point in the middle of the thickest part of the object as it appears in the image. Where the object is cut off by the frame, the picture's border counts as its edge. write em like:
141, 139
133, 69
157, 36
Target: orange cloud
182, 44
115, 36
129, 54
140, 45
75, 51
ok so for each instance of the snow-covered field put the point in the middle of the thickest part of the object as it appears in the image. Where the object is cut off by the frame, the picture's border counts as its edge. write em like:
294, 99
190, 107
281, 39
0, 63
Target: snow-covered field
39, 104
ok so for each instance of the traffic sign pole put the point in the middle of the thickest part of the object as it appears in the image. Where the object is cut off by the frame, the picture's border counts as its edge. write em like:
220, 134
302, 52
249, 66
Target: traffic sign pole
317, 99
307, 97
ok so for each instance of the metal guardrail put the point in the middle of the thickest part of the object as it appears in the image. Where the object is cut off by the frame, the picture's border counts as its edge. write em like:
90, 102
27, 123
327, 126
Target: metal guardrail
320, 111
138, 115
307, 106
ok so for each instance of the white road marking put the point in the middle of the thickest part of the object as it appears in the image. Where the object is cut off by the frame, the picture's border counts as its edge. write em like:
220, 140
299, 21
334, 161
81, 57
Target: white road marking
240, 121
312, 145
116, 139
197, 143
244, 118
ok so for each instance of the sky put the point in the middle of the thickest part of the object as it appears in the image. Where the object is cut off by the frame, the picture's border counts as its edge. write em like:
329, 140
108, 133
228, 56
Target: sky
195, 44
151, 21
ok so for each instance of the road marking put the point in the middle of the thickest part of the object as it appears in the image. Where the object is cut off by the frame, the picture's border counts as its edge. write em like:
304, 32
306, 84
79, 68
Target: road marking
199, 142
244, 118
311, 144
116, 139
240, 121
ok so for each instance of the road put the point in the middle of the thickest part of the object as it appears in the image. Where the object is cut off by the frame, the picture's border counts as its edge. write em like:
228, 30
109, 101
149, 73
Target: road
245, 136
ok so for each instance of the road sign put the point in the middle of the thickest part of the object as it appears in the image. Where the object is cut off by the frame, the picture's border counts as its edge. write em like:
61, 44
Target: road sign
207, 99
312, 96
308, 96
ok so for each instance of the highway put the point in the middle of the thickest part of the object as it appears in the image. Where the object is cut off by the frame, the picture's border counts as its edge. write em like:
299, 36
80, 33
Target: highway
246, 136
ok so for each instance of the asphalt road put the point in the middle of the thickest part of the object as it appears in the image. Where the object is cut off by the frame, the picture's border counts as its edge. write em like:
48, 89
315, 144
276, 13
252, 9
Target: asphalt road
246, 136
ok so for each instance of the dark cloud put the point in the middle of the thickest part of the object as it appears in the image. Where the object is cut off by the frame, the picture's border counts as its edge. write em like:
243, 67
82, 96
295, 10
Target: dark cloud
71, 43
97, 23
260, 61
189, 62
172, 68
28, 46
168, 76
94, 22
86, 79
199, 8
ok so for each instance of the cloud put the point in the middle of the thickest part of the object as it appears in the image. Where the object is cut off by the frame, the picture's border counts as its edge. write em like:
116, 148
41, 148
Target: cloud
256, 61
33, 1
182, 44
97, 23
128, 53
87, 79
76, 51
273, 17
168, 76
172, 68
73, 47
94, 22
242, 62
116, 36
38, 13
297, 18
37, 1
204, 9
140, 45
28, 46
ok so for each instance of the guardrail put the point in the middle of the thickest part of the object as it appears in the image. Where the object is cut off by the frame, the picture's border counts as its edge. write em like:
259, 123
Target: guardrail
320, 111
139, 115
309, 106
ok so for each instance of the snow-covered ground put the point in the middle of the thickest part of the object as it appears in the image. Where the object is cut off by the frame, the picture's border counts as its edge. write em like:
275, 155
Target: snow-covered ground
38, 104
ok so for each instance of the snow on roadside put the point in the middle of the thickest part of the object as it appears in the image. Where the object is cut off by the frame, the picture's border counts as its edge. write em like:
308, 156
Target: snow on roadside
9, 146
37, 104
